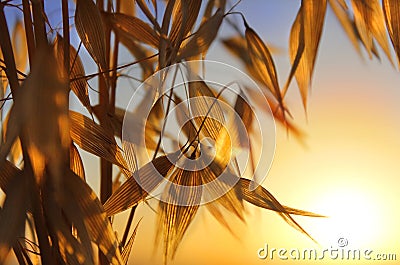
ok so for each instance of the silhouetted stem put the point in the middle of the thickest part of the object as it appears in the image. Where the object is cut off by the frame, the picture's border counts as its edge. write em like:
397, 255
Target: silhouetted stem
66, 37
39, 23
30, 39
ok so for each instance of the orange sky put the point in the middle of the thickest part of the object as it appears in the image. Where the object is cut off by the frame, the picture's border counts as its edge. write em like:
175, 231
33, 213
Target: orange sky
347, 170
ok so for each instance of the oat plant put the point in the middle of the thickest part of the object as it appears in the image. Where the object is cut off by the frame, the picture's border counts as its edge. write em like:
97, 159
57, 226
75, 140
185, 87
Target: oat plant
50, 215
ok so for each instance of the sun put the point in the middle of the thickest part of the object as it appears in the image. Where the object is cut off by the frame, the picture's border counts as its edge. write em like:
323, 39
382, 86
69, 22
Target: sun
352, 216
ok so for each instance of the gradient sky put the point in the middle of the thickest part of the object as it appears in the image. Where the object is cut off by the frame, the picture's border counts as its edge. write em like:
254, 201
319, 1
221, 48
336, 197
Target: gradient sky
346, 169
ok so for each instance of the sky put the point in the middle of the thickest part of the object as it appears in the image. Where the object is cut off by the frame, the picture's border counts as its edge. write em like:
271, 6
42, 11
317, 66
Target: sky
346, 168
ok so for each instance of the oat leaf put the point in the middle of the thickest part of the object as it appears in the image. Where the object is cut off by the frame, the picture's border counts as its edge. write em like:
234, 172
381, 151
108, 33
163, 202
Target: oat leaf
340, 9
304, 41
90, 29
131, 193
263, 63
174, 218
133, 28
78, 84
128, 247
75, 161
19, 46
263, 198
205, 108
202, 39
391, 9
12, 216
96, 221
369, 19
92, 138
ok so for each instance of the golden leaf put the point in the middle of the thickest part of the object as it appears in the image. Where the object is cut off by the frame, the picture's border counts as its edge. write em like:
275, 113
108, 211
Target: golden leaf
92, 138
369, 19
75, 162
130, 193
78, 84
90, 29
19, 46
127, 7
96, 221
205, 108
391, 9
12, 216
304, 41
134, 28
263, 198
46, 117
128, 247
202, 39
174, 218
184, 18
263, 63
339, 7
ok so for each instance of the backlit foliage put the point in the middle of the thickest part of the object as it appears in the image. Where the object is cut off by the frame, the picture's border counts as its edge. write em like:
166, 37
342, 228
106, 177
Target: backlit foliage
50, 214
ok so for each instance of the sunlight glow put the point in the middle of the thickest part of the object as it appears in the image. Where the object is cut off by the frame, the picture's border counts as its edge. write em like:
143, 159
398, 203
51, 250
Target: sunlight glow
351, 214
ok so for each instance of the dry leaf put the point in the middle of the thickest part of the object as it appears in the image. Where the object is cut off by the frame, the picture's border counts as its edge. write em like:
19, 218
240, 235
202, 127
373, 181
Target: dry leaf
7, 172
96, 221
15, 153
219, 216
391, 9
3, 80
174, 218
263, 198
19, 46
182, 117
78, 84
154, 124
12, 127
90, 29
244, 110
46, 117
128, 247
340, 8
143, 6
266, 104
184, 18
221, 180
133, 28
75, 162
12, 216
62, 213
202, 39
369, 19
205, 108
130, 193
130, 156
127, 7
263, 63
92, 138
304, 41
